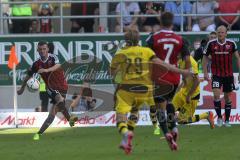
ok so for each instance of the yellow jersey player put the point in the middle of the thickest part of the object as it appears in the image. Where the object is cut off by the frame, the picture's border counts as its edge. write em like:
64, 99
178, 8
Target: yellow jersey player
131, 67
186, 99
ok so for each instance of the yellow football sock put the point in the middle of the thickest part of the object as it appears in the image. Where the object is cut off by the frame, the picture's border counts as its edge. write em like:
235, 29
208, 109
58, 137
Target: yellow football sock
203, 115
198, 117
195, 118
155, 125
122, 127
131, 125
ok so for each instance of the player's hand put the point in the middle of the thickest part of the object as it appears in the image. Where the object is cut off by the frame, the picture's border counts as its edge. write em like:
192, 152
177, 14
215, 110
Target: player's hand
188, 99
42, 70
187, 73
20, 91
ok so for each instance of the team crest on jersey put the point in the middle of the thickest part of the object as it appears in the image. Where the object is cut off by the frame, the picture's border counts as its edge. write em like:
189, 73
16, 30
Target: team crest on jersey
228, 46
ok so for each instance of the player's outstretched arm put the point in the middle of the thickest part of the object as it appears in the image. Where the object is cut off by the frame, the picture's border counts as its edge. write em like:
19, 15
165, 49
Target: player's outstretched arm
51, 69
21, 90
172, 68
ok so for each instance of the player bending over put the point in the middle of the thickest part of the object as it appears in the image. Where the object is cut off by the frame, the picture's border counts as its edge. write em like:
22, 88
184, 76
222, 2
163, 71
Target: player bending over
50, 70
186, 99
135, 87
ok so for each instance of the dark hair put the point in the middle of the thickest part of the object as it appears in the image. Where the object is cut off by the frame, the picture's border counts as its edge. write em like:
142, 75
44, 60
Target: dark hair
167, 19
41, 43
204, 42
87, 92
213, 32
132, 37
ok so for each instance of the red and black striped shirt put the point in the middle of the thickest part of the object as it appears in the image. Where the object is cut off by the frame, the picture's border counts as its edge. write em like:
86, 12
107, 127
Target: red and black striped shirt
45, 24
221, 55
53, 80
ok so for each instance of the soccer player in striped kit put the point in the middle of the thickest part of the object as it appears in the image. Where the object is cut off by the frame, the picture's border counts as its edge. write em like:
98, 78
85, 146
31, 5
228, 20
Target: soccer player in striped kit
221, 51
49, 67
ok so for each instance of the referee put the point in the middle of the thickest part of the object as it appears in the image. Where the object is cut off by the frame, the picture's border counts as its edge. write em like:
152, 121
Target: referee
221, 51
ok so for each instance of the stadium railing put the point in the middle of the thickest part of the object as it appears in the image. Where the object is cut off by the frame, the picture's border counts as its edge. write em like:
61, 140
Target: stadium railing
103, 14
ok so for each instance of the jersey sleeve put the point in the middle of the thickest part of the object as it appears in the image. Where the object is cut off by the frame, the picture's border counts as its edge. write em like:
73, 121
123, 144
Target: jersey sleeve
151, 54
117, 59
185, 50
234, 47
207, 50
56, 60
150, 41
33, 69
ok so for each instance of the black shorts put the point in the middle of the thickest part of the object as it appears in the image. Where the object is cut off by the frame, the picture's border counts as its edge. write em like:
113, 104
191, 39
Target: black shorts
53, 93
164, 92
226, 82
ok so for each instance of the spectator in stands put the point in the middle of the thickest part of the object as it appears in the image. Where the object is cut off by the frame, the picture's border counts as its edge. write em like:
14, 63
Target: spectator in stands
5, 13
34, 27
151, 24
21, 25
45, 24
204, 23
84, 100
176, 8
81, 9
229, 6
127, 9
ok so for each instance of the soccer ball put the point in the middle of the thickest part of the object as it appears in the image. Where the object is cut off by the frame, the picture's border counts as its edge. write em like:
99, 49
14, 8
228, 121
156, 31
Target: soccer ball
33, 85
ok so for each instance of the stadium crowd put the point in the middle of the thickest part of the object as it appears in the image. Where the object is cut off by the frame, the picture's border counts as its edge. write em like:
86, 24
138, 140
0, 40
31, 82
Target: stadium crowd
127, 9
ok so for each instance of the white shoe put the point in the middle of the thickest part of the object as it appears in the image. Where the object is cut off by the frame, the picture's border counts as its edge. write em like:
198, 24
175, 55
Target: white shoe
219, 122
227, 124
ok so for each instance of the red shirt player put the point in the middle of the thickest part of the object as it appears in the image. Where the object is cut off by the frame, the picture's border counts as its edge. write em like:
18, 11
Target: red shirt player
168, 47
50, 70
221, 51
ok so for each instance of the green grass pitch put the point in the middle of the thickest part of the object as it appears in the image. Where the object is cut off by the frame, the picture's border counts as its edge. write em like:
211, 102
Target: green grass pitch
195, 143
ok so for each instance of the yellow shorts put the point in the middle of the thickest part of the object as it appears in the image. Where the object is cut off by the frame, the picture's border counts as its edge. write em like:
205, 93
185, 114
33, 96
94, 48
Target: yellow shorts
186, 110
126, 100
